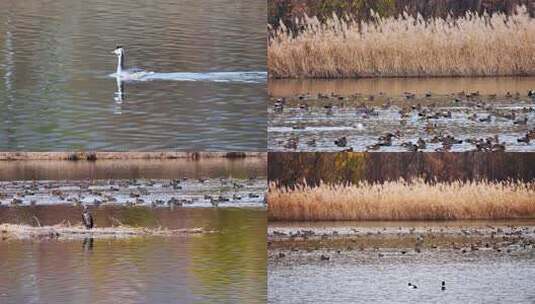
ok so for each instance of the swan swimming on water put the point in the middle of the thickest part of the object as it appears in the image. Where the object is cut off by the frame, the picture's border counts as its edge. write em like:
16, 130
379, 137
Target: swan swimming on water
135, 74
121, 72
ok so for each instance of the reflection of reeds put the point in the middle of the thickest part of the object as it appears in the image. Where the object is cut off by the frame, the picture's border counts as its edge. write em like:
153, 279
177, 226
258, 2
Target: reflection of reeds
472, 45
402, 200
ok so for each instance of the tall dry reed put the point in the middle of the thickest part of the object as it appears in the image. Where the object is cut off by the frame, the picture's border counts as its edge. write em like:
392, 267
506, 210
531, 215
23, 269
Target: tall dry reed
401, 200
405, 46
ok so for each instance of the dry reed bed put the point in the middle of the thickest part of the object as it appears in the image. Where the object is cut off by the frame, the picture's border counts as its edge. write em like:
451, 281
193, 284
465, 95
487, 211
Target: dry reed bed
61, 231
402, 200
405, 46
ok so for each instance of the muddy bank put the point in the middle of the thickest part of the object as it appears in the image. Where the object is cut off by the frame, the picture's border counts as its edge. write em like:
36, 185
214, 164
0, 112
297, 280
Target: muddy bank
63, 232
92, 156
346, 242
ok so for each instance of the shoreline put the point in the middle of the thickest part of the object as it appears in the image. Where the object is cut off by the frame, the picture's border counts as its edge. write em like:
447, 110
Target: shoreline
93, 156
348, 244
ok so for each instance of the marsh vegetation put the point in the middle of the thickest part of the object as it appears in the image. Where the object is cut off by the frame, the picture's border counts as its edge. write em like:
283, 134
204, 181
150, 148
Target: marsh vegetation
401, 200
405, 46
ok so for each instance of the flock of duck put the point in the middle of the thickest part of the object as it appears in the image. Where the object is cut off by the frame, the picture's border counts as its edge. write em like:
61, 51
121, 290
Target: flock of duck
473, 106
462, 240
154, 193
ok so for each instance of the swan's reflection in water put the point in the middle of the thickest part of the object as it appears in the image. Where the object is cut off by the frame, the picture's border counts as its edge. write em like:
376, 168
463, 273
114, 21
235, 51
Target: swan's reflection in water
119, 96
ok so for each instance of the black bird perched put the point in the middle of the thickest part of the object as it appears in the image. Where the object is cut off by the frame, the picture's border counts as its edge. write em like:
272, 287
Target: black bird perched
443, 285
87, 218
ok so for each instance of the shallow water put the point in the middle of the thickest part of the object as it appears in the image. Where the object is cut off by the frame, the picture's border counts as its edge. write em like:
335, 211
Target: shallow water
224, 267
375, 265
218, 192
156, 183
57, 94
316, 128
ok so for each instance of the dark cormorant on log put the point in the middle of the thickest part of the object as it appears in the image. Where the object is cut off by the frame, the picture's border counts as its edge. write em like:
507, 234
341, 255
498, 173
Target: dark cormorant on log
87, 218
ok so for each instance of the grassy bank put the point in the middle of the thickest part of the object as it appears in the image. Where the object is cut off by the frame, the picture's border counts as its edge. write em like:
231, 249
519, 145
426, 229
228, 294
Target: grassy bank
400, 200
405, 46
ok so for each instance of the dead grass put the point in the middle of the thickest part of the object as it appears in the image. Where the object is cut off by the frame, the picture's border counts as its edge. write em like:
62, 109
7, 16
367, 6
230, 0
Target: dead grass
406, 46
402, 200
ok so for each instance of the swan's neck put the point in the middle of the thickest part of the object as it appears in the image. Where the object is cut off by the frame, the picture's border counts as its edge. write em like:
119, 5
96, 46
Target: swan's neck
120, 63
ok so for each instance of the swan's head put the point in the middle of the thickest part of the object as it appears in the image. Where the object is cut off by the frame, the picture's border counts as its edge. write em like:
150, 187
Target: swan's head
118, 51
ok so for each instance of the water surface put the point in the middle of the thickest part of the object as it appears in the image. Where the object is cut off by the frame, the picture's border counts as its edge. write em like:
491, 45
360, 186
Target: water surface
132, 169
56, 92
228, 266
318, 113
372, 262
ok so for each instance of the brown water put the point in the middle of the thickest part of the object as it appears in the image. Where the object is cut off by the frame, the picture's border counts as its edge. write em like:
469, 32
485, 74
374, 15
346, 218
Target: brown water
56, 92
311, 123
130, 169
224, 267
397, 86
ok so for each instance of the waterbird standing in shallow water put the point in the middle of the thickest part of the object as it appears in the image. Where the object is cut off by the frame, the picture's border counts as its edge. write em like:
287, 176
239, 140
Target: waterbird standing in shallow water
443, 285
87, 218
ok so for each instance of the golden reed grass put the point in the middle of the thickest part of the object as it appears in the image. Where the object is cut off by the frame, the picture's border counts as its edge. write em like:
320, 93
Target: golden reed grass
401, 200
405, 46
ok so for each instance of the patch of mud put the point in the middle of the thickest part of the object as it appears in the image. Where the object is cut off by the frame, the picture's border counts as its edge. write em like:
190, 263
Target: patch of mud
64, 232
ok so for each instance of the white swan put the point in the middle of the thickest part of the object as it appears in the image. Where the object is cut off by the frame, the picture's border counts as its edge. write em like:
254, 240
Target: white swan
121, 72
